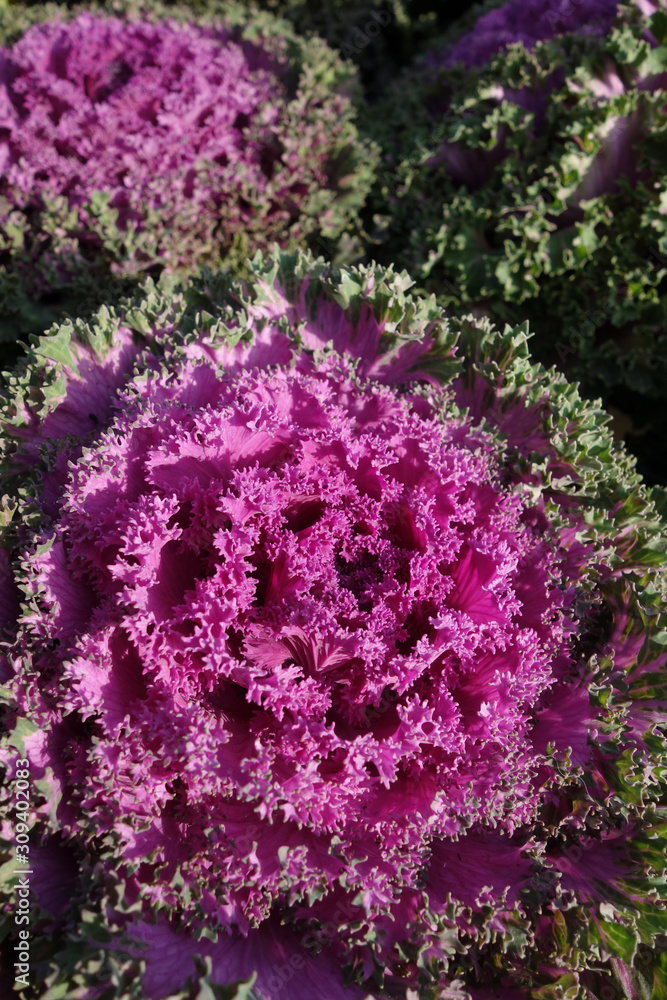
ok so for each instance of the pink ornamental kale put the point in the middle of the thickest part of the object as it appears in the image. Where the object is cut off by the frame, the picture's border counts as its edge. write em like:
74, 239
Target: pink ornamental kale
142, 145
312, 642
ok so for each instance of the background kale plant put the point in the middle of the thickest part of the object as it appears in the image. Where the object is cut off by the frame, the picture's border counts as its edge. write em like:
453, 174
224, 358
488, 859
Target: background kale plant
524, 177
145, 142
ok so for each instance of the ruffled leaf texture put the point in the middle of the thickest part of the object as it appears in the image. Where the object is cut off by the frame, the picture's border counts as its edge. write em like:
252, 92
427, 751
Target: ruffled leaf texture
527, 183
131, 146
331, 665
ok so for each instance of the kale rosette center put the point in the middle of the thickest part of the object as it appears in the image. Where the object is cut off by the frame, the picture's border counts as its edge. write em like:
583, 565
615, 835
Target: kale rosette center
305, 631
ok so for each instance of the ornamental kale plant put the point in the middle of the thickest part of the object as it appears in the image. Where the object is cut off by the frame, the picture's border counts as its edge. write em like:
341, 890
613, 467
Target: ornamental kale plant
130, 146
532, 184
334, 641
